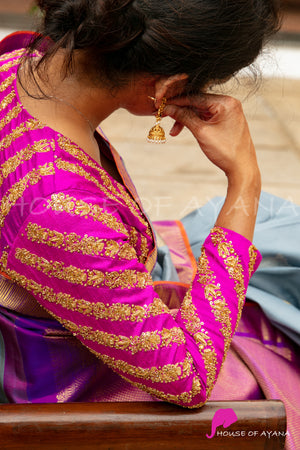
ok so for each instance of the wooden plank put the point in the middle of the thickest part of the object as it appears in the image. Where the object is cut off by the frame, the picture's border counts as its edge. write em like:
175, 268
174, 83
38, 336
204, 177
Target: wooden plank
135, 426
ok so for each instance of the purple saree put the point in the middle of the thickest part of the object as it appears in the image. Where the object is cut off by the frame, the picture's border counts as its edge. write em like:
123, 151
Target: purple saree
80, 316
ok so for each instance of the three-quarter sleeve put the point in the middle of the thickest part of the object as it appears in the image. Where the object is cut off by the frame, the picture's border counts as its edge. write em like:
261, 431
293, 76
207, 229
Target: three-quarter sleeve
78, 258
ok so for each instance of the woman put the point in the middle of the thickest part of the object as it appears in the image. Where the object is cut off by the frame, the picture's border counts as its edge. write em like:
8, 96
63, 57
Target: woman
81, 319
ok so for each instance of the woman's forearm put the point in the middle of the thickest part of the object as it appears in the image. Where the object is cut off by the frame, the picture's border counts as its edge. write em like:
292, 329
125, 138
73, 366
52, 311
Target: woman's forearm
240, 207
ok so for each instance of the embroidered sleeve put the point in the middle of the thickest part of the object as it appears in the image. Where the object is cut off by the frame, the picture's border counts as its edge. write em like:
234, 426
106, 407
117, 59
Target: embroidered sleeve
79, 259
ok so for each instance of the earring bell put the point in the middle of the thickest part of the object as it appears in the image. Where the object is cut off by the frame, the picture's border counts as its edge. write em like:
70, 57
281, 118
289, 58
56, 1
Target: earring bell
156, 134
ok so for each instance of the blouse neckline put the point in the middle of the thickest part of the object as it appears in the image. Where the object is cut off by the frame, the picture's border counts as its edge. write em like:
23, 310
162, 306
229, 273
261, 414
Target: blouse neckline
97, 134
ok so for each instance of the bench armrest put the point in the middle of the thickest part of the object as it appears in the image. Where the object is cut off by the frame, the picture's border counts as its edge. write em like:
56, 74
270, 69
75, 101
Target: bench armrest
138, 425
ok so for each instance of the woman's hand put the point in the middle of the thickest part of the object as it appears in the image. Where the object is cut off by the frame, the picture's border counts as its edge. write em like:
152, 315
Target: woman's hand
220, 127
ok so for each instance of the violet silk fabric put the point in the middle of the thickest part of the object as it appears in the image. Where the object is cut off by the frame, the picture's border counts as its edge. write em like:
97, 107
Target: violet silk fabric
80, 310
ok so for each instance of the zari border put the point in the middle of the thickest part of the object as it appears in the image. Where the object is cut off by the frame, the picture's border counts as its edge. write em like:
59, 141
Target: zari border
17, 299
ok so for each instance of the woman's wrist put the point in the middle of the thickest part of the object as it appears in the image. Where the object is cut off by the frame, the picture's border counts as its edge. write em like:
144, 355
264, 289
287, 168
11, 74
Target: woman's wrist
244, 178
241, 203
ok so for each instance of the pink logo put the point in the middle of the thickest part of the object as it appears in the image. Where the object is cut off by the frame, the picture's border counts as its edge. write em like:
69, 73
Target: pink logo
223, 417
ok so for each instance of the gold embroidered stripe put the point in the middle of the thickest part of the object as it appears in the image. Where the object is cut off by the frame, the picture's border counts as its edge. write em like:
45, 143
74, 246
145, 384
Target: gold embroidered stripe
66, 394
108, 186
8, 82
18, 189
214, 295
74, 168
184, 397
10, 116
70, 205
65, 165
122, 194
26, 154
125, 279
252, 256
9, 65
232, 263
3, 261
165, 374
114, 312
31, 124
133, 236
196, 328
7, 100
13, 54
86, 245
147, 341
75, 151
144, 248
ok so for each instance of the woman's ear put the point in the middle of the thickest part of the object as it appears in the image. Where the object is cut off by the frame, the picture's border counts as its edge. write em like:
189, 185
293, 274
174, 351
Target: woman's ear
170, 87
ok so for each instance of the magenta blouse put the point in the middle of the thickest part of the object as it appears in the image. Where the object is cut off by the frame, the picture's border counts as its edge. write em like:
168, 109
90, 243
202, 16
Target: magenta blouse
80, 245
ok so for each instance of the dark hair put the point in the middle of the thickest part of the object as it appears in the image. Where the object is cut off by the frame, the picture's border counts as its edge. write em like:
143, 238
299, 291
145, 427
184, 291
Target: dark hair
206, 39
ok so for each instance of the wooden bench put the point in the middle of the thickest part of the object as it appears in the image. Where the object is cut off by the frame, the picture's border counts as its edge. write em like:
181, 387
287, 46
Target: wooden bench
140, 426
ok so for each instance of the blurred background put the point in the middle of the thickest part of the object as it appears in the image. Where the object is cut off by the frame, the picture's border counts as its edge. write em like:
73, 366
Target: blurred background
17, 14
175, 178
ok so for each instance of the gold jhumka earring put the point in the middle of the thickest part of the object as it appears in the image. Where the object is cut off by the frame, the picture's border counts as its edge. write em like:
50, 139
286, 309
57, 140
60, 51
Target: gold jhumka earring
156, 134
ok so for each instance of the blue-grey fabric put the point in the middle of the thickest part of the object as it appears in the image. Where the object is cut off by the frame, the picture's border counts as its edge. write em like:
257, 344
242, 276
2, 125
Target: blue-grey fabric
164, 269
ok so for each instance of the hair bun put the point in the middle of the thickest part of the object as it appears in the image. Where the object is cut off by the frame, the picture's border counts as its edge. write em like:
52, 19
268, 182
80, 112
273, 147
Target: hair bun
208, 40
107, 24
64, 16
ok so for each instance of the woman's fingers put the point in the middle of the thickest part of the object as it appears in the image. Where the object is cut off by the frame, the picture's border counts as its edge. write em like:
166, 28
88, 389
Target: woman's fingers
206, 105
176, 129
184, 116
201, 101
